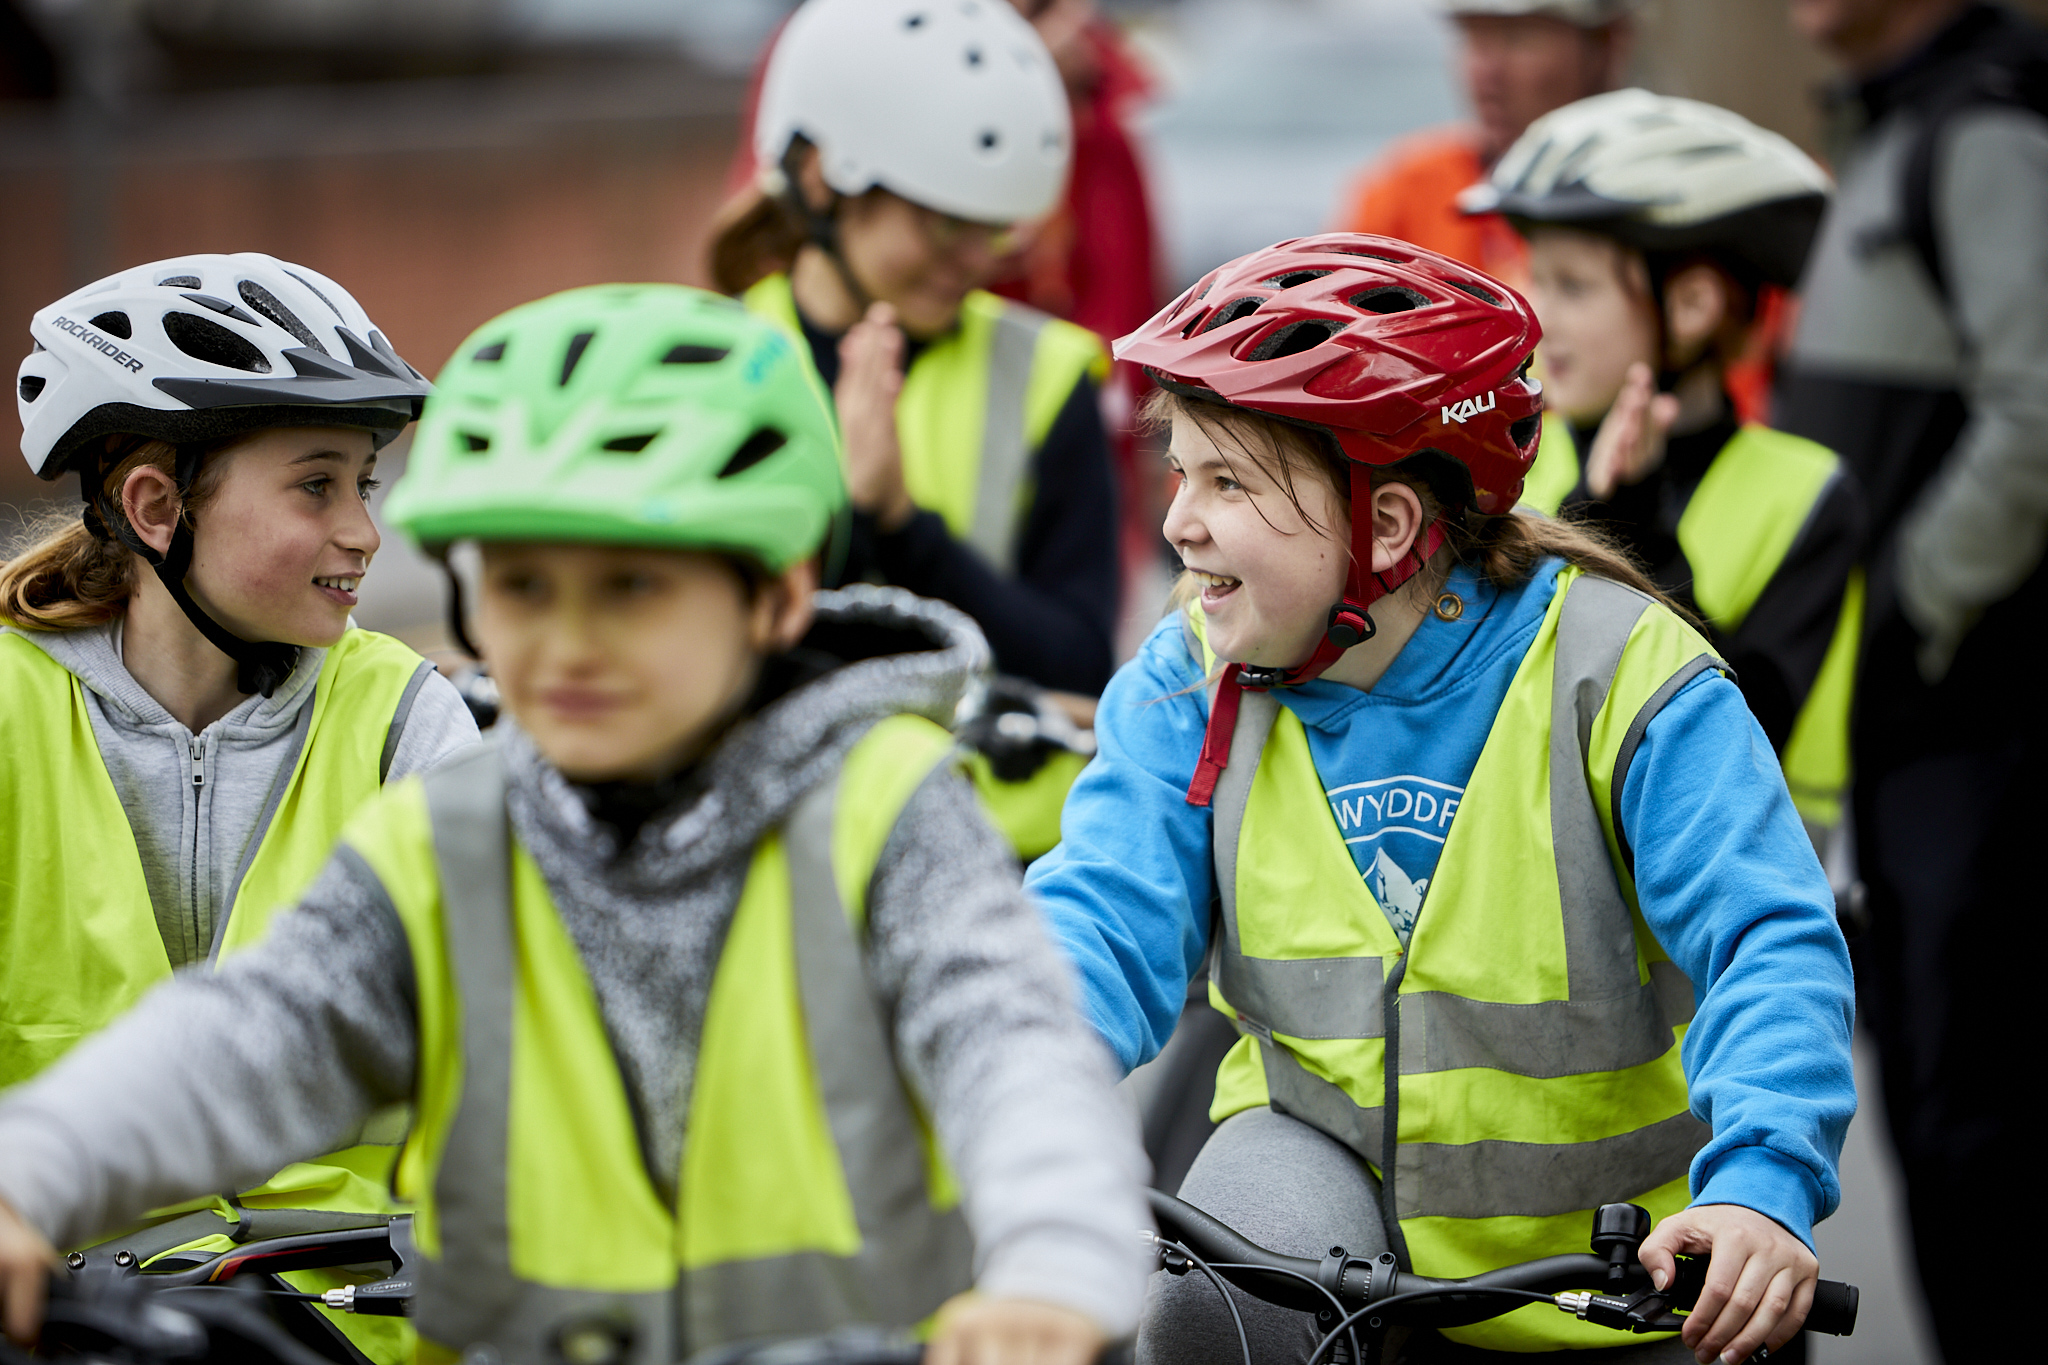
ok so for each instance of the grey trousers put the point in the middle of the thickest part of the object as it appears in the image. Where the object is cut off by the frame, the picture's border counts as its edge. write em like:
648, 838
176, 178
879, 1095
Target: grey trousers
1294, 1190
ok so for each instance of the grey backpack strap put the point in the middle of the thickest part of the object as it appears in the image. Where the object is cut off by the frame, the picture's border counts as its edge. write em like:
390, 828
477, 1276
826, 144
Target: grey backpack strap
473, 852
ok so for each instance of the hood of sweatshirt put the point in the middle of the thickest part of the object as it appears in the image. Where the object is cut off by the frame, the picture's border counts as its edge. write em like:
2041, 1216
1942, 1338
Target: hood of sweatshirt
93, 656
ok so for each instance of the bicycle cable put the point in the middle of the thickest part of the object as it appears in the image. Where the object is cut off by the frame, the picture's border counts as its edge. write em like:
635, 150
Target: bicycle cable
1335, 1302
1244, 1343
1416, 1295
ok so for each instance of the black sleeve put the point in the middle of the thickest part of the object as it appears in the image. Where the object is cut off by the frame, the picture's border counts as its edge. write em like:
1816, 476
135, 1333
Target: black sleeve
1055, 621
1777, 651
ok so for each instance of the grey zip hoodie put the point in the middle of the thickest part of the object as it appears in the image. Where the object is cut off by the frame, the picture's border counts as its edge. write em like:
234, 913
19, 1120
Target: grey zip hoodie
196, 802
217, 1079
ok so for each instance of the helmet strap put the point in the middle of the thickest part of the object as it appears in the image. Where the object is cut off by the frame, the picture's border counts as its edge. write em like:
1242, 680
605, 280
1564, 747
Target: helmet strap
457, 611
821, 226
1350, 623
260, 666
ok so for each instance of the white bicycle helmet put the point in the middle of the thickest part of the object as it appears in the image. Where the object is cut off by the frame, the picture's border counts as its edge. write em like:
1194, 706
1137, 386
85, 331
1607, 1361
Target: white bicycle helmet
197, 348
1663, 174
1584, 13
952, 104
192, 351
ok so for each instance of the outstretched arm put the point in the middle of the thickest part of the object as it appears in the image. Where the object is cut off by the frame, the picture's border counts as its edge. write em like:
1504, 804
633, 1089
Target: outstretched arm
217, 1079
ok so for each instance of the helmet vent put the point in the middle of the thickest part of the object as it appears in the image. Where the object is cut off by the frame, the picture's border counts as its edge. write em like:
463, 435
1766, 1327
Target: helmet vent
687, 354
915, 21
205, 339
316, 293
266, 303
577, 345
1232, 311
1388, 298
1523, 430
974, 56
114, 325
32, 387
1370, 255
755, 449
631, 445
1292, 278
1295, 338
178, 282
487, 354
474, 443
988, 139
1480, 292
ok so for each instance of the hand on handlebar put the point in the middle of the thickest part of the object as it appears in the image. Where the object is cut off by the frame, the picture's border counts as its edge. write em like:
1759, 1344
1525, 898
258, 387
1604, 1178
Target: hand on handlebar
972, 1330
26, 1260
1760, 1279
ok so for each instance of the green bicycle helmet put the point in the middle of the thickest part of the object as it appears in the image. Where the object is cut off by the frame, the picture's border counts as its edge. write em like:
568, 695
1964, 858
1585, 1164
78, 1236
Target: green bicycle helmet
648, 414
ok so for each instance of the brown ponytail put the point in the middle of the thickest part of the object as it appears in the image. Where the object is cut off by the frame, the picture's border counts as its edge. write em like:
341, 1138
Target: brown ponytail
754, 235
65, 578
1502, 550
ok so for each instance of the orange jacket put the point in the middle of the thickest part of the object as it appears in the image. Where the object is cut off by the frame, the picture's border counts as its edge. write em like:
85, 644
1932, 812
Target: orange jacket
1411, 192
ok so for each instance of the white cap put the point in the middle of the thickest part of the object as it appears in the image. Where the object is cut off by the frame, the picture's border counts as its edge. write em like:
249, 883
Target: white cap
952, 104
1584, 13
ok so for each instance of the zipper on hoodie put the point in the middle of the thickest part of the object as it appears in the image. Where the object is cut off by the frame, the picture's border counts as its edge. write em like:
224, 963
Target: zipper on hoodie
198, 751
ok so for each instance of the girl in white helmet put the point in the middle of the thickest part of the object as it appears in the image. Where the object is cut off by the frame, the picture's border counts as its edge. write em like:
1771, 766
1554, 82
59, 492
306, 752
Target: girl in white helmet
1654, 224
900, 144
190, 713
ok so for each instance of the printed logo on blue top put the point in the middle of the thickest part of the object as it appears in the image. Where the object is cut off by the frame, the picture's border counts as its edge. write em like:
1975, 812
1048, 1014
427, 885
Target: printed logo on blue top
1396, 827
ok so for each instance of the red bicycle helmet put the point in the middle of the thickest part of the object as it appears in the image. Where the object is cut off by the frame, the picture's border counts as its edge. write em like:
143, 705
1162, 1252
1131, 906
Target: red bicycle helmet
1397, 354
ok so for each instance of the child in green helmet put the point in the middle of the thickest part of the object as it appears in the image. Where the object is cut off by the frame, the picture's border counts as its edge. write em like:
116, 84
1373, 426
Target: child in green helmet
718, 1005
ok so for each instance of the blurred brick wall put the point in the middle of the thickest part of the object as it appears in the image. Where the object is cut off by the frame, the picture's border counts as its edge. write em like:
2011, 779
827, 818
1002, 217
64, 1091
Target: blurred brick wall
437, 206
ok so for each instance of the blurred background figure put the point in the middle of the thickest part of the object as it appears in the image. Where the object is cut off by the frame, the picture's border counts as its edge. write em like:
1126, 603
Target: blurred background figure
1922, 357
1518, 60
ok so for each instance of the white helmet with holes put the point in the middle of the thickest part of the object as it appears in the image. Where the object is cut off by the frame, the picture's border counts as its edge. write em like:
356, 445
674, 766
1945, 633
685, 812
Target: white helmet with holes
198, 348
1663, 174
1584, 13
952, 104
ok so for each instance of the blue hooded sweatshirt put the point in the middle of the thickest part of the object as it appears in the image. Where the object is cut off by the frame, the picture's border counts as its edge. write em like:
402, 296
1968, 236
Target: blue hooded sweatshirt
1725, 874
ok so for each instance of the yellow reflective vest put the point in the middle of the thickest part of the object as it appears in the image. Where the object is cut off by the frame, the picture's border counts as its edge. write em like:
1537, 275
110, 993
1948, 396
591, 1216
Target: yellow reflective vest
810, 1193
1534, 1021
975, 407
1736, 530
79, 942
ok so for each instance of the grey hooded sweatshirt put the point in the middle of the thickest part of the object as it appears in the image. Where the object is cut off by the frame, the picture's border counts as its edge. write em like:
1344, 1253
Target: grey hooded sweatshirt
197, 803
217, 1079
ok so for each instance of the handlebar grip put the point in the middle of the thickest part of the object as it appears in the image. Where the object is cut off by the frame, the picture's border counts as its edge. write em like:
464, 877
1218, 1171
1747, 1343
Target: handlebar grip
1834, 1308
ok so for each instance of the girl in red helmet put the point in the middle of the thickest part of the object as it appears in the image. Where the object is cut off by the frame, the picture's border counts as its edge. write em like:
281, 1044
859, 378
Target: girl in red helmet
1489, 864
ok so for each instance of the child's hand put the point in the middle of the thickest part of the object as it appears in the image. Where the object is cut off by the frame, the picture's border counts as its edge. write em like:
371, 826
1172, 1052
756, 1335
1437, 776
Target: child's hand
26, 1261
972, 1330
1631, 440
1759, 1282
870, 377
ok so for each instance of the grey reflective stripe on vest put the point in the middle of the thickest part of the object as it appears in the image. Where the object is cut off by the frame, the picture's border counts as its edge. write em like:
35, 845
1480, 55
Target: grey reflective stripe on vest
400, 716
912, 1259
1612, 1021
1005, 448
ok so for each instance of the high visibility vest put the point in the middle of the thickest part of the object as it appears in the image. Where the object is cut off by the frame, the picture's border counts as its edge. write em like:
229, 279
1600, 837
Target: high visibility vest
1736, 530
810, 1193
975, 407
1535, 1021
78, 940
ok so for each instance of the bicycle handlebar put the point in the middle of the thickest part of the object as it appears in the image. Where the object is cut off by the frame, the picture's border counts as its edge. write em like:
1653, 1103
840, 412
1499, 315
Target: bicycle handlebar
1613, 1289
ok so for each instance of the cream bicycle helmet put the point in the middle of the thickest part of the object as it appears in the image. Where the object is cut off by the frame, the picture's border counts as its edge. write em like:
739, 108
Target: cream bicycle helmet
952, 104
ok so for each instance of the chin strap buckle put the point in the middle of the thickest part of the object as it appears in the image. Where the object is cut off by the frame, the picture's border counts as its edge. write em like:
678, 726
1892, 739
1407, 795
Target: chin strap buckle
1349, 626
